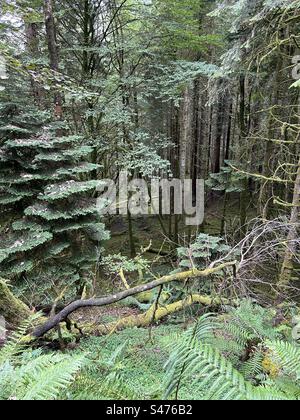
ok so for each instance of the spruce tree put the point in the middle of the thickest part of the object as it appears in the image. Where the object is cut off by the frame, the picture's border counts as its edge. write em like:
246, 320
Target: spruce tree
56, 237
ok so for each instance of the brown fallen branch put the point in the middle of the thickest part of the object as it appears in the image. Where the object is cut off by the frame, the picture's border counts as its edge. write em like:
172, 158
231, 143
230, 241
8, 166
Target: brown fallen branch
108, 300
154, 314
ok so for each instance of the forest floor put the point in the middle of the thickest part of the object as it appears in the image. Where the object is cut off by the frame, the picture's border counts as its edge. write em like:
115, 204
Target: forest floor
138, 364
147, 230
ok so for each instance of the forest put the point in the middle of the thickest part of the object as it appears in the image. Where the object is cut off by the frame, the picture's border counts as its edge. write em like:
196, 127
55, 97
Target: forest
150, 200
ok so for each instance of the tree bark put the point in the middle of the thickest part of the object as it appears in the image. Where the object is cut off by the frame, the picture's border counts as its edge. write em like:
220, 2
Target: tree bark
288, 265
32, 45
244, 197
108, 300
53, 52
186, 133
154, 314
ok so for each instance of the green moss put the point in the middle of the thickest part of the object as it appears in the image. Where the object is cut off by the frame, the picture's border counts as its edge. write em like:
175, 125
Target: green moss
12, 309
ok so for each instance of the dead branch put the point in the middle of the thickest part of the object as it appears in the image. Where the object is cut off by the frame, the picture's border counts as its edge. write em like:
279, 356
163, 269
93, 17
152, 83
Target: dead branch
108, 300
154, 314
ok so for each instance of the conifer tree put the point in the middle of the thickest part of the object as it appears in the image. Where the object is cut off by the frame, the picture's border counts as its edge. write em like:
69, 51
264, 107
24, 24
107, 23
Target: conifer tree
51, 176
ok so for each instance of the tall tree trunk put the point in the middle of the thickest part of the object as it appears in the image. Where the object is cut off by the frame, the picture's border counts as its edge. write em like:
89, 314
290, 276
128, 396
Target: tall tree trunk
243, 134
32, 44
216, 158
228, 134
275, 99
291, 248
53, 53
186, 133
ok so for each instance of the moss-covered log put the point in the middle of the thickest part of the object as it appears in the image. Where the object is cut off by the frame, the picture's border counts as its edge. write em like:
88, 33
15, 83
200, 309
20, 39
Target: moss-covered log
154, 314
108, 300
11, 308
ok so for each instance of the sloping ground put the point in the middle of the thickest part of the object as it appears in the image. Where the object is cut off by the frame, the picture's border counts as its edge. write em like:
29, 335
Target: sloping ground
139, 367
103, 315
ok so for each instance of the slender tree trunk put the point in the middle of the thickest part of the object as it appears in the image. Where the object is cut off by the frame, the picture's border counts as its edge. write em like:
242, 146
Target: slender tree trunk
186, 133
131, 235
244, 196
53, 53
269, 151
216, 159
223, 221
32, 44
228, 134
288, 265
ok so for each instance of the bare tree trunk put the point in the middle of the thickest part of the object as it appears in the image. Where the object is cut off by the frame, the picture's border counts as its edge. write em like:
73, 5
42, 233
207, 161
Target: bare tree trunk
220, 117
228, 134
186, 133
131, 235
265, 190
243, 135
288, 265
32, 41
53, 52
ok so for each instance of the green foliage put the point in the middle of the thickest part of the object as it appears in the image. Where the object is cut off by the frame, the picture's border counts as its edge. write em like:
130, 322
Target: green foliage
246, 327
123, 68
228, 181
205, 249
113, 386
168, 81
86, 207
198, 361
29, 241
180, 21
113, 264
54, 201
67, 189
287, 355
125, 366
145, 159
46, 173
30, 375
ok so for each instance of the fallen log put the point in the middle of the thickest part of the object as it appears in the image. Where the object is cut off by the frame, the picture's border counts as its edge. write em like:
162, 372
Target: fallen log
154, 314
186, 276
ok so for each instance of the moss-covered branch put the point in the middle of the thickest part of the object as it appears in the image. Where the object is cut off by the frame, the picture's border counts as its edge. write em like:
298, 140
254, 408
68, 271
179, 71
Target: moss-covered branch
154, 314
108, 300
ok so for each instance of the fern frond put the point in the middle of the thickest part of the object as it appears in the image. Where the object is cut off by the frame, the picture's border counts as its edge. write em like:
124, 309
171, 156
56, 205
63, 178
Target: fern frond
182, 351
254, 366
15, 344
288, 355
45, 377
216, 379
199, 363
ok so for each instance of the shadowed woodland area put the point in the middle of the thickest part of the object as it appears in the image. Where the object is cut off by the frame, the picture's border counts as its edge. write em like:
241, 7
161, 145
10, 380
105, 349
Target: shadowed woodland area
126, 306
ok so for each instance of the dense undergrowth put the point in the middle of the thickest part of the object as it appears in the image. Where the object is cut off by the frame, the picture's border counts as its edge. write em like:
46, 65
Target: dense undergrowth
238, 355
